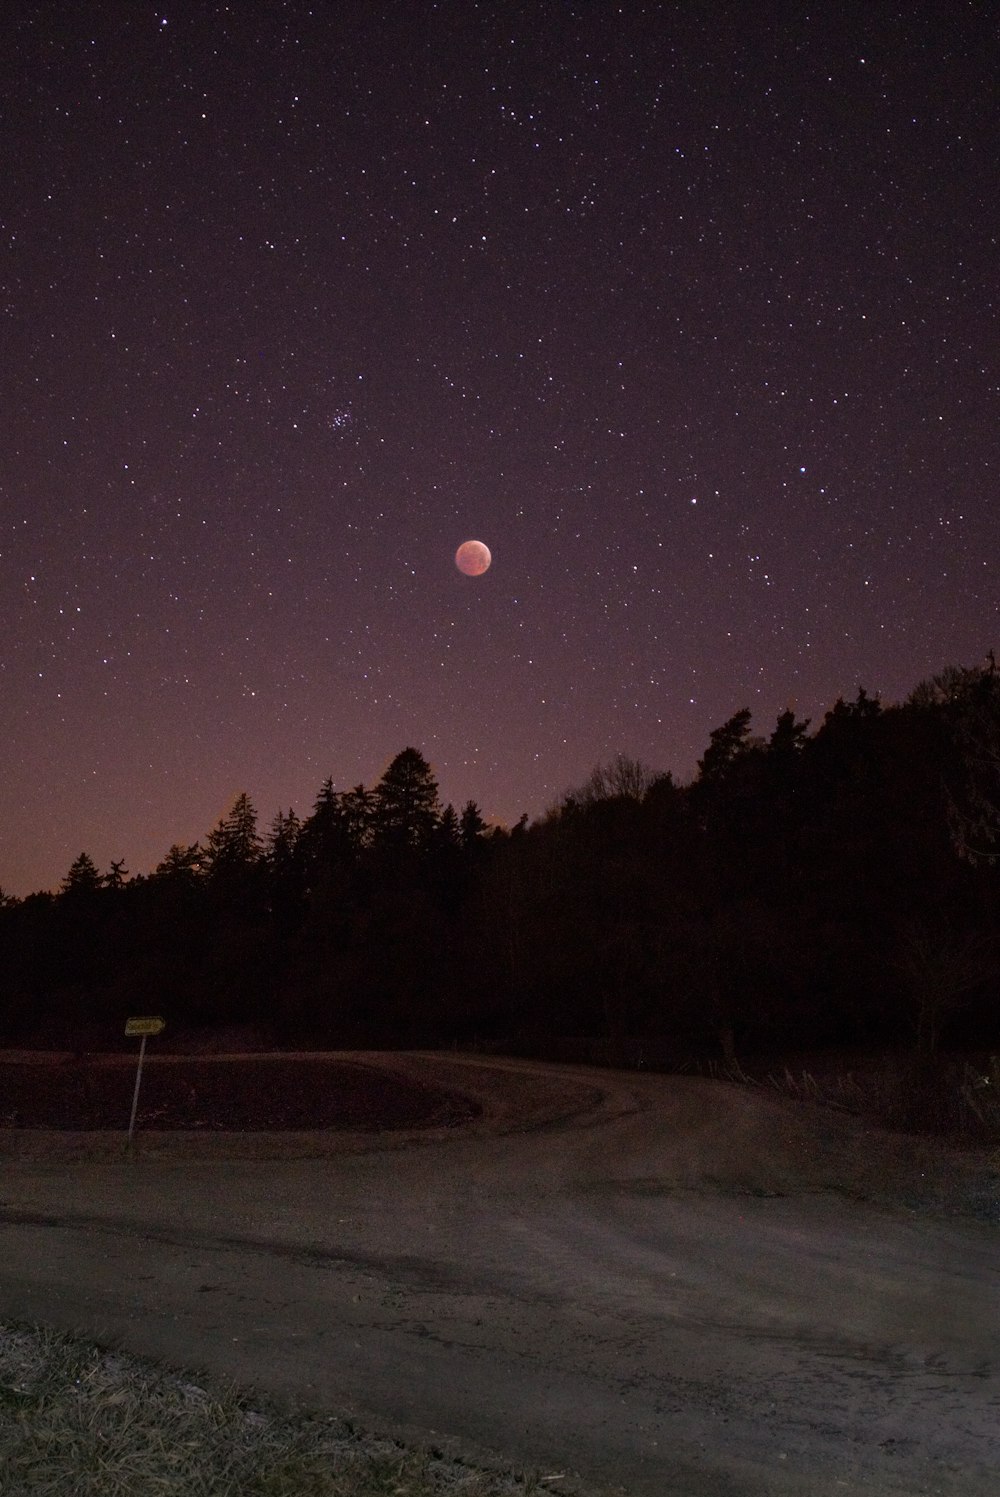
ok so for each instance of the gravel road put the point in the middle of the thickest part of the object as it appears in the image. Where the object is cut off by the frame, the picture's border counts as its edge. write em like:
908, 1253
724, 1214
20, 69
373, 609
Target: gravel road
654, 1285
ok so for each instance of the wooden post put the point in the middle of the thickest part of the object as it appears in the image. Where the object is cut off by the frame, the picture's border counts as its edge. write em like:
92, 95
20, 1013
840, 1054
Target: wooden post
135, 1094
145, 1025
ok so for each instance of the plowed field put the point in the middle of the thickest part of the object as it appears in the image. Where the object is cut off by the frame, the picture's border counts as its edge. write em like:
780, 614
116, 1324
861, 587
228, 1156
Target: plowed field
252, 1093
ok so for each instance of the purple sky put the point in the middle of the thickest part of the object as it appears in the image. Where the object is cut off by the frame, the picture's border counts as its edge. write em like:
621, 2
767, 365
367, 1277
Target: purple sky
687, 311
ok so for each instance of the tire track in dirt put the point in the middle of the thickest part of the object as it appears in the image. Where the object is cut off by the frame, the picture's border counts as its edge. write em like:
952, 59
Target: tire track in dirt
660, 1282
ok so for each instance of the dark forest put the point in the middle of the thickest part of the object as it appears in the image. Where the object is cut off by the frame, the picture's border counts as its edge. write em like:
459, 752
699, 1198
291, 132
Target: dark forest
810, 889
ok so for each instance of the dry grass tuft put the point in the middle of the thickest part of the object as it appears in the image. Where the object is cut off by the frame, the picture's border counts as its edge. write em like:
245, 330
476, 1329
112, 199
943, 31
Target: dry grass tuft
956, 1099
97, 1422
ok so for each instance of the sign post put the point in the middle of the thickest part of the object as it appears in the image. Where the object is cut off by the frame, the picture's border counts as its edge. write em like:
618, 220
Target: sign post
144, 1027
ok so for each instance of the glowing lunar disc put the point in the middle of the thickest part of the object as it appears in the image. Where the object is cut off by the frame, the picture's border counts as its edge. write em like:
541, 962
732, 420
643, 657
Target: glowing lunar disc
473, 558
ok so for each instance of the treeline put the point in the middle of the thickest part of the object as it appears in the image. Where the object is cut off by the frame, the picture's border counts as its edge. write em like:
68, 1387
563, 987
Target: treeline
830, 887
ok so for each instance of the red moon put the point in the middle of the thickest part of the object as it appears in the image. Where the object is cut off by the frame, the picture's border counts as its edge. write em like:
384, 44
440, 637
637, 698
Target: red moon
473, 558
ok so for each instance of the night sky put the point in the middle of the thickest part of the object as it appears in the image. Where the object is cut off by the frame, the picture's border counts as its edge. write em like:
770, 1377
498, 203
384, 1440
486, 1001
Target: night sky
688, 311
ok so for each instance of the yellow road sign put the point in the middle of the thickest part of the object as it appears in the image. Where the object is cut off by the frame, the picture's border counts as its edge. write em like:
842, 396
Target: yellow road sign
151, 1025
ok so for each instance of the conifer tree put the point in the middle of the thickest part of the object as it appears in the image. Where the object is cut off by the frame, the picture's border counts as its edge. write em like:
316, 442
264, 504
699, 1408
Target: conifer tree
358, 808
974, 804
449, 832
181, 862
726, 745
282, 840
472, 826
233, 844
788, 736
406, 807
83, 877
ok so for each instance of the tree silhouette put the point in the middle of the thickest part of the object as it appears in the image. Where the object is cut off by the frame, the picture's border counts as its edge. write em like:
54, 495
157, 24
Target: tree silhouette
621, 776
82, 878
974, 796
323, 841
405, 810
942, 967
448, 832
726, 745
789, 736
471, 825
801, 890
233, 845
185, 863
358, 808
282, 841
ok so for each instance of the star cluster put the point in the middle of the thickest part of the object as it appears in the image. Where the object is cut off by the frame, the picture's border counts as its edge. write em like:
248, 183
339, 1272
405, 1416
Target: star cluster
688, 312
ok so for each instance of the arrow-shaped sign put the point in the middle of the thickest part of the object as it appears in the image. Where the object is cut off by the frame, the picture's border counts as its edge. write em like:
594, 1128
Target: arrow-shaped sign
151, 1025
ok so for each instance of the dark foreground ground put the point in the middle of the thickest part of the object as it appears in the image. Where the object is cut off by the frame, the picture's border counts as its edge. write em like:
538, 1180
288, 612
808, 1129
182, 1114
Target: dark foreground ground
250, 1092
657, 1286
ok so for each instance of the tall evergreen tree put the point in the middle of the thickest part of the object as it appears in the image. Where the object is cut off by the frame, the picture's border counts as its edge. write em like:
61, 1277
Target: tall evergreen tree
234, 845
788, 736
449, 832
180, 862
974, 798
358, 808
322, 842
282, 840
324, 822
83, 877
725, 747
116, 875
286, 876
406, 807
471, 824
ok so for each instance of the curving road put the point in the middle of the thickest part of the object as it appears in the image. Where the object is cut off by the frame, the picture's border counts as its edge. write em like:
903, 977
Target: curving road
655, 1285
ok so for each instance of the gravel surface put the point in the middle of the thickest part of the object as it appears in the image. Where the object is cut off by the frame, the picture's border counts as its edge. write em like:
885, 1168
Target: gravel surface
645, 1284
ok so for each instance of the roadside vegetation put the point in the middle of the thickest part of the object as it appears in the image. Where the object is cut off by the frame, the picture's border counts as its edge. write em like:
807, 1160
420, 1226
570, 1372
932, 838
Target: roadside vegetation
962, 1103
958, 1103
97, 1422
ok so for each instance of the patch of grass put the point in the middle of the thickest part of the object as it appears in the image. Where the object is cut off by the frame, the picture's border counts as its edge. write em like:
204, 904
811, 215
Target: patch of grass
873, 1093
96, 1422
953, 1098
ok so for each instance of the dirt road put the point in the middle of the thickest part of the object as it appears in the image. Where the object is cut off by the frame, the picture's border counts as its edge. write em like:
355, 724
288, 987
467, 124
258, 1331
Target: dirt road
656, 1285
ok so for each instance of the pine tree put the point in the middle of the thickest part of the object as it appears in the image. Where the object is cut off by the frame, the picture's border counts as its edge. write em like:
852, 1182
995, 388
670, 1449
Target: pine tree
182, 862
449, 831
472, 826
974, 804
286, 876
118, 873
789, 735
358, 809
82, 878
233, 845
282, 840
726, 745
406, 807
326, 813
